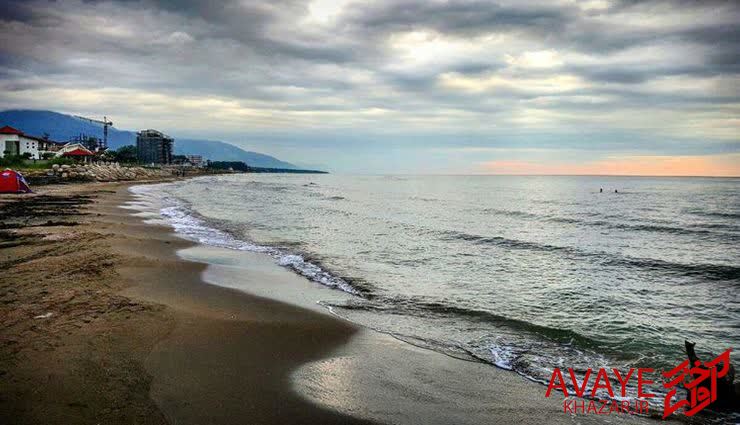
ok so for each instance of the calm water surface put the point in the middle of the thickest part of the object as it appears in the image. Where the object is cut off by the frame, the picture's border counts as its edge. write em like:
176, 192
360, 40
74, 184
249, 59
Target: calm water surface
527, 273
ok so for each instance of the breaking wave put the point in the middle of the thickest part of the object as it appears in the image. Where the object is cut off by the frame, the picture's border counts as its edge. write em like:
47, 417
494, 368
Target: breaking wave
194, 227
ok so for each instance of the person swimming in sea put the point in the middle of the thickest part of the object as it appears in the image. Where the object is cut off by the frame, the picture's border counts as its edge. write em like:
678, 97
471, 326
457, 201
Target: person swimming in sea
616, 191
601, 190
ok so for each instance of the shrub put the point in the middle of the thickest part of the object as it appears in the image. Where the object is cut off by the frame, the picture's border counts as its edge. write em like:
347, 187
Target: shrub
11, 160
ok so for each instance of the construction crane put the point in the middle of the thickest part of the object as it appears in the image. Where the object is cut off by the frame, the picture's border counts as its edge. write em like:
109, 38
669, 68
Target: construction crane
105, 124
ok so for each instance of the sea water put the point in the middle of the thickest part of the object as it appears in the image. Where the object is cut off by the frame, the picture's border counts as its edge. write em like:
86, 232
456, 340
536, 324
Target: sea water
526, 273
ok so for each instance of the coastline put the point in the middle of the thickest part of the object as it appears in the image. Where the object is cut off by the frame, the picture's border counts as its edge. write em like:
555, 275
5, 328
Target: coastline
127, 320
137, 334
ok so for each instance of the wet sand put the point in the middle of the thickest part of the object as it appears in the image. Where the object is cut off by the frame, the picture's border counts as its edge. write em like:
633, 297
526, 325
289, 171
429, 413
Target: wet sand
134, 336
105, 323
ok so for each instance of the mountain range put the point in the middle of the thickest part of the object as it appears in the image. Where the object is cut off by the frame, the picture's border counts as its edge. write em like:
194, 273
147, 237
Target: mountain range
62, 127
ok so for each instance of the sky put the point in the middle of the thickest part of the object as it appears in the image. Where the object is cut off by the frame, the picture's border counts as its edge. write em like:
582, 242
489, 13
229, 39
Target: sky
399, 86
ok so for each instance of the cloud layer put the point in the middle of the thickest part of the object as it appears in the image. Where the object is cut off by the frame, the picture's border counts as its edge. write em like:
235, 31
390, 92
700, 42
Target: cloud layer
388, 85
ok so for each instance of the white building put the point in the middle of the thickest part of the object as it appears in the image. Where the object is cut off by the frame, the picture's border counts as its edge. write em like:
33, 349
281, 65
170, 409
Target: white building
14, 142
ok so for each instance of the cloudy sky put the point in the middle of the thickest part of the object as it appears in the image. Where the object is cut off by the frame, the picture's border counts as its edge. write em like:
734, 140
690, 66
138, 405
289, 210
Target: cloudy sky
405, 86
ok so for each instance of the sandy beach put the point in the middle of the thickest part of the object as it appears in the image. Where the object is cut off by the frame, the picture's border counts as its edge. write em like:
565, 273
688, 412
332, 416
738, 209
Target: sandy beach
103, 322
369, 212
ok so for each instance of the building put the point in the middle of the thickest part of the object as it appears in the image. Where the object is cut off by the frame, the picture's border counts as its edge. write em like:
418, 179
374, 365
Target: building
196, 160
154, 147
76, 151
15, 142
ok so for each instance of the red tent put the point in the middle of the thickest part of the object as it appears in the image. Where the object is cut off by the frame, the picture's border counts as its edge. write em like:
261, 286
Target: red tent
13, 182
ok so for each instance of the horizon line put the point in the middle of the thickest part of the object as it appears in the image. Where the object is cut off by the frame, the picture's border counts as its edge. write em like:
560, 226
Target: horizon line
536, 175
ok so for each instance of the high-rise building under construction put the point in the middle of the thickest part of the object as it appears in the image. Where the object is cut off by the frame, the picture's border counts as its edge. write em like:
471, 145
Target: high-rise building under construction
154, 147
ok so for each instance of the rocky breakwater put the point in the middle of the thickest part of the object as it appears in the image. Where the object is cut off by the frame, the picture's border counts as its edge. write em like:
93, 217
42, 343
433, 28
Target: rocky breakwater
105, 172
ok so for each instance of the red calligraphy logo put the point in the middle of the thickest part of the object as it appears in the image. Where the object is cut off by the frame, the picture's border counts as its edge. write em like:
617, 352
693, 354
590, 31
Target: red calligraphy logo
700, 381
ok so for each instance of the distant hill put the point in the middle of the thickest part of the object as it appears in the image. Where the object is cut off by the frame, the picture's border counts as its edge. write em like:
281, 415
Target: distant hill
63, 127
221, 151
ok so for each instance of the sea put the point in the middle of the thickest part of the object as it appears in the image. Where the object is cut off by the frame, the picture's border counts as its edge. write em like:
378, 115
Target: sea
526, 273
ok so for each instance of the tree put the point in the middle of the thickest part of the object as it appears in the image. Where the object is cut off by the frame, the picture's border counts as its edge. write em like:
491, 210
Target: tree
126, 154
233, 165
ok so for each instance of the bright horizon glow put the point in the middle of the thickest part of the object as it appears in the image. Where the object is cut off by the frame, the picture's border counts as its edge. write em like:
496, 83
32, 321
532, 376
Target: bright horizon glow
647, 166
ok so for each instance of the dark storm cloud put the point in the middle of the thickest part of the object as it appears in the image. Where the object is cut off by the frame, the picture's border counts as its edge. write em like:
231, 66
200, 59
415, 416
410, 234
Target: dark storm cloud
15, 10
724, 41
249, 23
475, 67
466, 17
565, 26
471, 18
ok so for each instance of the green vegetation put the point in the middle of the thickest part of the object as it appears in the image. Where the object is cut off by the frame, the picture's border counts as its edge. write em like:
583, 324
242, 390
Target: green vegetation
10, 160
241, 166
24, 162
225, 165
124, 155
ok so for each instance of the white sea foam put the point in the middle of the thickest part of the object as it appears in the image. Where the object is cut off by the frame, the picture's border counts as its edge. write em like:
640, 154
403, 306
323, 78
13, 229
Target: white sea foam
191, 227
314, 272
502, 356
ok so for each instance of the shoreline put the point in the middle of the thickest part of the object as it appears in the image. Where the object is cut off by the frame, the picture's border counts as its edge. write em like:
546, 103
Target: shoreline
174, 348
120, 343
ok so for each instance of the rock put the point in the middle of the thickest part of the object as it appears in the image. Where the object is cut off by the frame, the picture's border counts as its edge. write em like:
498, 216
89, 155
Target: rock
108, 171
